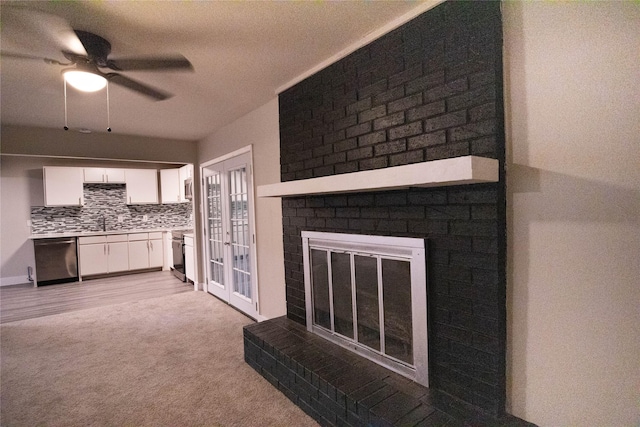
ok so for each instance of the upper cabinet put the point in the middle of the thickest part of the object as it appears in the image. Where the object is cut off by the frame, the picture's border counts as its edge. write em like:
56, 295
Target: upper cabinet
172, 184
104, 175
63, 186
170, 188
142, 186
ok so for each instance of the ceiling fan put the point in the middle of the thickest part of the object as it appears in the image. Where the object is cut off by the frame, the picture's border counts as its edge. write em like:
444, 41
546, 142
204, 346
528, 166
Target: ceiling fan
87, 53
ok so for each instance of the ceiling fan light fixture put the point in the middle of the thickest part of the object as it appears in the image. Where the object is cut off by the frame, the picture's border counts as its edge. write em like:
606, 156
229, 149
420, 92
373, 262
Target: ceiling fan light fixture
84, 80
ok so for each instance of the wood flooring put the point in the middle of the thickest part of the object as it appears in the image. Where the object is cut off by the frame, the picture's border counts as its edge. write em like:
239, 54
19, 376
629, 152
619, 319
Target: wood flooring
19, 302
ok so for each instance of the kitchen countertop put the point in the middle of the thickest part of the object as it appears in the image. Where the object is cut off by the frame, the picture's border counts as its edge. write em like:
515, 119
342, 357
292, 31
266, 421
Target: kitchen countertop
104, 233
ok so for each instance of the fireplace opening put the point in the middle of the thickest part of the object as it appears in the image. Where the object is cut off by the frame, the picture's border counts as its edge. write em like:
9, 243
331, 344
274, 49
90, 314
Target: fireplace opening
369, 295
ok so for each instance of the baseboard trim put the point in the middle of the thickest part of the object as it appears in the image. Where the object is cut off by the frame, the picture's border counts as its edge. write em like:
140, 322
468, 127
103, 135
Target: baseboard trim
15, 280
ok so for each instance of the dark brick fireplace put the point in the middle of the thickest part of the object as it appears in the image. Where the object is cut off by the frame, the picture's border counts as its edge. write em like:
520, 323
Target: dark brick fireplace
431, 89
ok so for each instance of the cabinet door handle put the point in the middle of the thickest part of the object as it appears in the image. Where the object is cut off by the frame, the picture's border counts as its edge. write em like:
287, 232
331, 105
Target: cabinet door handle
105, 248
108, 249
151, 243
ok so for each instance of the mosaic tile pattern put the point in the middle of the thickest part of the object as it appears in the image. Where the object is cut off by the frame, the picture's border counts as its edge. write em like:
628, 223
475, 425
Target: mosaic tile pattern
104, 203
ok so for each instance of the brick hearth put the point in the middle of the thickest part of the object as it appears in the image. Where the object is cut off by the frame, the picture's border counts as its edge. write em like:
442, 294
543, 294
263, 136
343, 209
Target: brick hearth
337, 387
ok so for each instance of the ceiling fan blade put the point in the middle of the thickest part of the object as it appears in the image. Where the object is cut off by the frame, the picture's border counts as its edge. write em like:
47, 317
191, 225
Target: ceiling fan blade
141, 88
175, 62
37, 31
97, 47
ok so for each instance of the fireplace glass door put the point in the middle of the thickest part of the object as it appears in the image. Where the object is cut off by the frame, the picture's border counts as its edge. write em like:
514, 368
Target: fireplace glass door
368, 293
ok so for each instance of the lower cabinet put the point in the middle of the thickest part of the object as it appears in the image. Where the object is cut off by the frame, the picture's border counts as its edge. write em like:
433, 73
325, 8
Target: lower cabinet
189, 258
103, 254
139, 254
93, 258
145, 250
120, 252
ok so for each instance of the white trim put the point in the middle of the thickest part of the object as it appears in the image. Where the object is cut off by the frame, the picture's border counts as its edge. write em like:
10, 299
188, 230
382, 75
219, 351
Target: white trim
435, 173
14, 280
207, 285
107, 159
261, 318
318, 237
368, 38
236, 153
308, 301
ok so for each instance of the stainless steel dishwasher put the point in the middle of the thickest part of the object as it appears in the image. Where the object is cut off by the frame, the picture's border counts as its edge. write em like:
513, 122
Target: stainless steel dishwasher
56, 260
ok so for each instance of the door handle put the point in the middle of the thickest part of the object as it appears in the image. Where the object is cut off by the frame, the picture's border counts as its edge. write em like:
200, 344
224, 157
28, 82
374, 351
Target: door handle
227, 243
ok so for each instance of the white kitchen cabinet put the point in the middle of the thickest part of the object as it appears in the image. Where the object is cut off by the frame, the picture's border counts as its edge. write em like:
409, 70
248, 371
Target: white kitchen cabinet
186, 171
142, 186
63, 186
167, 250
103, 254
145, 250
156, 252
118, 256
172, 183
189, 258
92, 258
139, 254
170, 186
104, 175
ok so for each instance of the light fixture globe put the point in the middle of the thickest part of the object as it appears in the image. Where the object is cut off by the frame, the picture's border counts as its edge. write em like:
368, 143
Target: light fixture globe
84, 80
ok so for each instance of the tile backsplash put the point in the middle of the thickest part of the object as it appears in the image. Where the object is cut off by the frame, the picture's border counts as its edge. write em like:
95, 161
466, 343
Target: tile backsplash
108, 201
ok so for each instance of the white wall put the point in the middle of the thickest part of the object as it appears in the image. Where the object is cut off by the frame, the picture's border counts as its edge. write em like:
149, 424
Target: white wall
20, 188
573, 134
259, 128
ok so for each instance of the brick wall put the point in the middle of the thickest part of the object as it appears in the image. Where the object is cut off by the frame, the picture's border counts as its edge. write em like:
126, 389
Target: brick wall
431, 89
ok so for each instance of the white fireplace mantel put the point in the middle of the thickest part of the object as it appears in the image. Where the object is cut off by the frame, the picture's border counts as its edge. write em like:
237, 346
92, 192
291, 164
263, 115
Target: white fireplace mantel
436, 173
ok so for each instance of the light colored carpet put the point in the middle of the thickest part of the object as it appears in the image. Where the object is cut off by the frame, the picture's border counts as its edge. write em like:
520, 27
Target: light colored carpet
168, 361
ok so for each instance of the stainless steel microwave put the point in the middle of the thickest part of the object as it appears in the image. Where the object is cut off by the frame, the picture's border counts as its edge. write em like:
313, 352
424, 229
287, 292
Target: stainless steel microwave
188, 189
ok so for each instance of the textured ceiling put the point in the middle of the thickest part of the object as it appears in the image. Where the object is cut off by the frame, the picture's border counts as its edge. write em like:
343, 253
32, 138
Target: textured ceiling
242, 52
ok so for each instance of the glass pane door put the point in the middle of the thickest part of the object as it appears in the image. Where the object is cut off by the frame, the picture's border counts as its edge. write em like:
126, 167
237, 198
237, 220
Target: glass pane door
229, 232
214, 228
238, 199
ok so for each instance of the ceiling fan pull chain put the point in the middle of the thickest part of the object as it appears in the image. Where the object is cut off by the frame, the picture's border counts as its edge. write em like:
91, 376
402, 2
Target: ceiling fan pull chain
66, 127
108, 110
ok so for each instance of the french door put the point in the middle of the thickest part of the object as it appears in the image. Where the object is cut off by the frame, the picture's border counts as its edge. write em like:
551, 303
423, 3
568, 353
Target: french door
228, 203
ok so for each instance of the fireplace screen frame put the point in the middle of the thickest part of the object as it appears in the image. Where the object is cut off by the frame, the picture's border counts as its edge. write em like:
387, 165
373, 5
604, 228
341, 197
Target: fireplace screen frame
412, 250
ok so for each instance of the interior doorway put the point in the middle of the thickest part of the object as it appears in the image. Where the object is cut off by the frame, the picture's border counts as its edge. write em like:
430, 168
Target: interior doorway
229, 231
